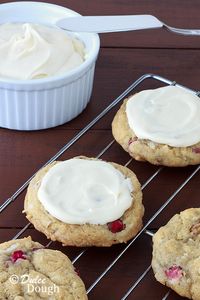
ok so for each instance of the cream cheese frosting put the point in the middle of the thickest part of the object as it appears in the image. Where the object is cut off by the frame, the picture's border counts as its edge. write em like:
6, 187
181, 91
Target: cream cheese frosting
79, 191
32, 51
167, 115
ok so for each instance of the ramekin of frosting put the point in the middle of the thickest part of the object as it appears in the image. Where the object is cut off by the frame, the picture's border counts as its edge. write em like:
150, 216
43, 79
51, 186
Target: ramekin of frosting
46, 73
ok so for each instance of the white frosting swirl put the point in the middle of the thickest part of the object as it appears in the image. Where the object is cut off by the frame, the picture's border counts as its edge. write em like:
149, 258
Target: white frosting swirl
79, 191
31, 51
167, 115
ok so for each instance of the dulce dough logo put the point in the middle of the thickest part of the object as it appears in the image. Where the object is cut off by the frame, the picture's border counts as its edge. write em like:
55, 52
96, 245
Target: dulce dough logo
34, 285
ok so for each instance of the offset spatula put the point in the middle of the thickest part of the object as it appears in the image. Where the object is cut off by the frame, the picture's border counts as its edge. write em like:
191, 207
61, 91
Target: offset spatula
103, 24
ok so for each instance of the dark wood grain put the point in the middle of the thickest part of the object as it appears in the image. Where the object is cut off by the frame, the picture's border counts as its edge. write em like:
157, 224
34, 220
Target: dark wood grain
123, 58
182, 14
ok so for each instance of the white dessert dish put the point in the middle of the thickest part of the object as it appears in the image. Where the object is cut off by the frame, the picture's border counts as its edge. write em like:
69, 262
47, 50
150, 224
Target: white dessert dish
51, 101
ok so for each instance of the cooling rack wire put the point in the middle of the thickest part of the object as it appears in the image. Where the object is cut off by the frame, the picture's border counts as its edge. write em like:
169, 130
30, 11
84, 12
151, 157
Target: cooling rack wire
144, 230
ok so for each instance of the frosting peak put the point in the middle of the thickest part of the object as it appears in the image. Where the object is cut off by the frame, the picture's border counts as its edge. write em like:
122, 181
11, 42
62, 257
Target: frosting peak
31, 51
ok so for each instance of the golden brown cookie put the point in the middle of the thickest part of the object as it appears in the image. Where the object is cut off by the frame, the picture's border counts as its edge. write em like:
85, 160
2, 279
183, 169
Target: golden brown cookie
29, 271
176, 254
118, 231
146, 150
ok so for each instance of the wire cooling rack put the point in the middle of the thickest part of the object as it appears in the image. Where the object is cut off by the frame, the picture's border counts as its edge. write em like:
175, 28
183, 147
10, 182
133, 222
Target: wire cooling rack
145, 230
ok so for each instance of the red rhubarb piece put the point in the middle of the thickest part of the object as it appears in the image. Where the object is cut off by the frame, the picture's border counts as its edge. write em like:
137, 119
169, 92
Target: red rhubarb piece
132, 140
195, 229
19, 254
174, 272
77, 271
116, 226
196, 150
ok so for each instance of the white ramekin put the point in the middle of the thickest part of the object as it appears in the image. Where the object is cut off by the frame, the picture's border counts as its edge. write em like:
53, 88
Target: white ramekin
44, 103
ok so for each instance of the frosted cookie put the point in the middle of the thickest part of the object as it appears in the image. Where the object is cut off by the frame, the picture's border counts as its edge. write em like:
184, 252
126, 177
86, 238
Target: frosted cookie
160, 126
176, 254
85, 202
29, 271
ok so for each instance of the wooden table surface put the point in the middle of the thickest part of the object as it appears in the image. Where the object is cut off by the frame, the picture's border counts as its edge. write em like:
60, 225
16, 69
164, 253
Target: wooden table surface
123, 58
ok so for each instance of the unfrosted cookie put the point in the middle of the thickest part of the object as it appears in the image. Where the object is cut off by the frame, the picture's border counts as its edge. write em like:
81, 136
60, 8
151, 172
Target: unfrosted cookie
176, 254
153, 151
119, 230
29, 271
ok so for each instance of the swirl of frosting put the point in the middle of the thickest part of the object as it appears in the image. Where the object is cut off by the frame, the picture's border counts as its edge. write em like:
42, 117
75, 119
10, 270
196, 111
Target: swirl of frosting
167, 115
32, 51
79, 191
